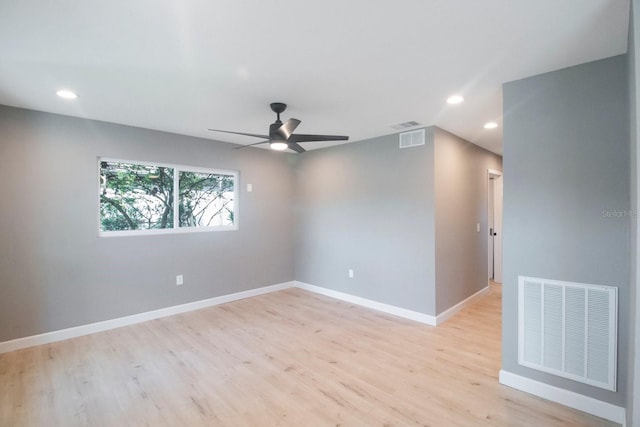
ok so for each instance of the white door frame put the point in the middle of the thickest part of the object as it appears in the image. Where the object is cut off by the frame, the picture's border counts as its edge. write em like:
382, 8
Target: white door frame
490, 220
496, 209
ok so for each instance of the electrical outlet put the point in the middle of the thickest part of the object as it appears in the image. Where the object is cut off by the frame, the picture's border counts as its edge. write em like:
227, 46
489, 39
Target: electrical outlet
350, 273
477, 227
179, 280
249, 188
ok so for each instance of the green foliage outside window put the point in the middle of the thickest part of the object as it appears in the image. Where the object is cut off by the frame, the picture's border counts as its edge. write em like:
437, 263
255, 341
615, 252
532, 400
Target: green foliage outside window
205, 199
141, 197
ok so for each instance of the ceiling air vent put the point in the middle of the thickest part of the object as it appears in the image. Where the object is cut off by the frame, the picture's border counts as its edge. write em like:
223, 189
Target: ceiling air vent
405, 125
412, 139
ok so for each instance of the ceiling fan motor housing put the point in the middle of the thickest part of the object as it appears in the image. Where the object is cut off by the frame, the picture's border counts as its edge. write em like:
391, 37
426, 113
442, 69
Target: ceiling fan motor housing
273, 131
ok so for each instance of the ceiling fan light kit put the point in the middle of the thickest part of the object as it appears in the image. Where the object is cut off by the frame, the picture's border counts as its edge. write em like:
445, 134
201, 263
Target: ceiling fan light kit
278, 146
281, 134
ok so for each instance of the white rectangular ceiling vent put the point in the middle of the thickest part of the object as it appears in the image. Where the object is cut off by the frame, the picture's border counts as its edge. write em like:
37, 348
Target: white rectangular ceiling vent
405, 125
568, 329
412, 139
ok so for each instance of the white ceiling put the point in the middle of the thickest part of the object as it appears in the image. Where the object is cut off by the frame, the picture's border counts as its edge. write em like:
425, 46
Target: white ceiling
343, 67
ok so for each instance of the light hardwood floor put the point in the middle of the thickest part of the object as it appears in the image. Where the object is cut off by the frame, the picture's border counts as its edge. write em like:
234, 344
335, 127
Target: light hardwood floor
290, 358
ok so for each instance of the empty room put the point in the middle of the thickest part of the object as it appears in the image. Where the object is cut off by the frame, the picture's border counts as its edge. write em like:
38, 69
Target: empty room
278, 213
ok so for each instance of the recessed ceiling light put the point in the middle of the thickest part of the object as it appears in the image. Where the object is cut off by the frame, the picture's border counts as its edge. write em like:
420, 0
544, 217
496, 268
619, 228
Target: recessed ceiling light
455, 99
66, 94
490, 125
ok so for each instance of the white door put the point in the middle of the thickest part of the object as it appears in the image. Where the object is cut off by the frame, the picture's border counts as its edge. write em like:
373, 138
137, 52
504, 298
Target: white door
497, 226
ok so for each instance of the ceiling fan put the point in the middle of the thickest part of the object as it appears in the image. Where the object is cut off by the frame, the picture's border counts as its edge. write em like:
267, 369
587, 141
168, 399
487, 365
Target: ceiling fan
281, 134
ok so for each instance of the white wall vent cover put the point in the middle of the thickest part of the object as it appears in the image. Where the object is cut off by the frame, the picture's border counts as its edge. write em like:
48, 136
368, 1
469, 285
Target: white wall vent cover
568, 329
412, 139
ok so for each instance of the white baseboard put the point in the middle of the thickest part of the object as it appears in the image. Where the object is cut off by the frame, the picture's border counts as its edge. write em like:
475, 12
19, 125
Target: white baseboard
375, 305
568, 398
91, 328
445, 315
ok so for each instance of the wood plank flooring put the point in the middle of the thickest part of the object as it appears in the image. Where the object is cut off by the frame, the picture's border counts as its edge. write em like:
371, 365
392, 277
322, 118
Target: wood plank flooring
290, 358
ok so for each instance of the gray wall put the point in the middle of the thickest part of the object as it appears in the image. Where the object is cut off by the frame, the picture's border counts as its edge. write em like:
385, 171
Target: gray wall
633, 411
461, 201
404, 220
566, 159
368, 206
55, 272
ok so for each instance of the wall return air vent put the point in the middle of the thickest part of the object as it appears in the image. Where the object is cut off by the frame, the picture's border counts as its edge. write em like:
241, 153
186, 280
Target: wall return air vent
568, 329
412, 139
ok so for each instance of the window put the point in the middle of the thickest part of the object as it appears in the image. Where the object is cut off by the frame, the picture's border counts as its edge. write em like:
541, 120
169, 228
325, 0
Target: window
142, 197
206, 199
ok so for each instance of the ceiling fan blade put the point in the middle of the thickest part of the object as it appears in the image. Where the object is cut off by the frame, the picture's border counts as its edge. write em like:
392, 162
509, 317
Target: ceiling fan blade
296, 147
242, 133
288, 127
251, 145
305, 138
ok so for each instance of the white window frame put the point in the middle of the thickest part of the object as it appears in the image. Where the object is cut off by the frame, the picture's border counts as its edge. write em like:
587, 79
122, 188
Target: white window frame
176, 194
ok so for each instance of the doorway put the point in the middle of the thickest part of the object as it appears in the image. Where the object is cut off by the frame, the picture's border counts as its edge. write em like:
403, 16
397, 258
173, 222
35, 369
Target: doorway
494, 220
